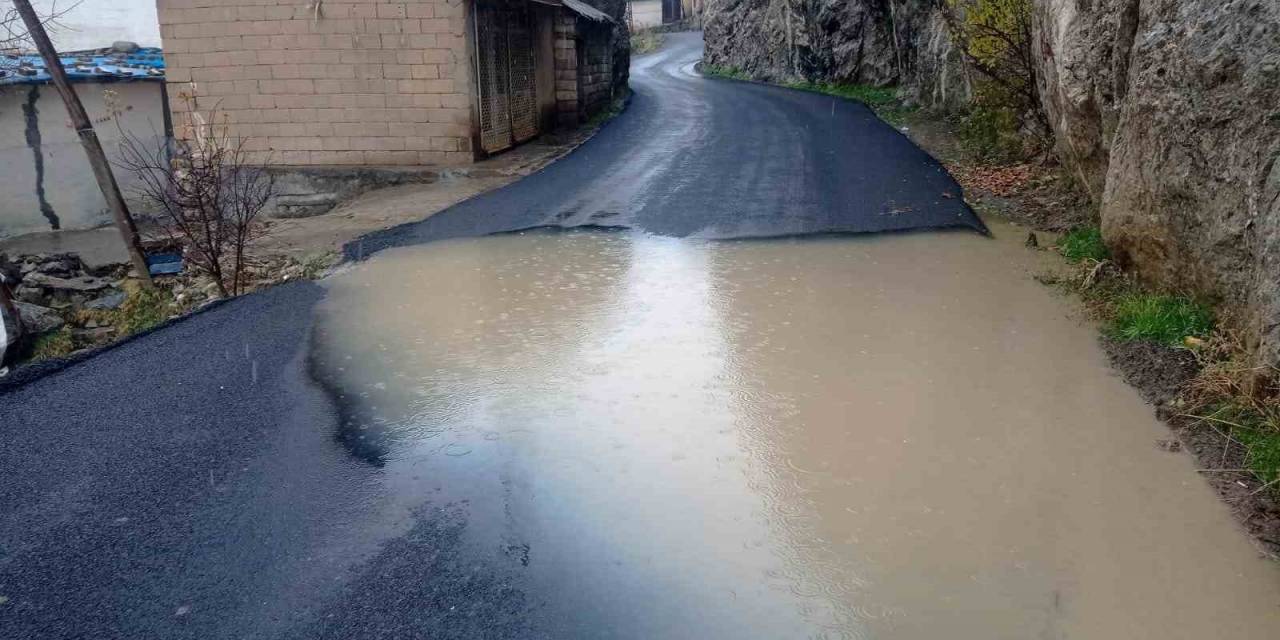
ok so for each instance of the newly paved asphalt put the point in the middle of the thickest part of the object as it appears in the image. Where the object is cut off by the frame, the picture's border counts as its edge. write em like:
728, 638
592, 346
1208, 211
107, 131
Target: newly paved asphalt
188, 484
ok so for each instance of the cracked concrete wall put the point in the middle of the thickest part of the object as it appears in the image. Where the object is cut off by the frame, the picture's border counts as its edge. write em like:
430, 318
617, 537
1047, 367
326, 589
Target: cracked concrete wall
46, 183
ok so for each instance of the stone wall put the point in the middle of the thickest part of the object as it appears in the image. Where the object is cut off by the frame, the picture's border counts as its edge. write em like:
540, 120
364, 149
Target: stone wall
587, 57
358, 82
595, 68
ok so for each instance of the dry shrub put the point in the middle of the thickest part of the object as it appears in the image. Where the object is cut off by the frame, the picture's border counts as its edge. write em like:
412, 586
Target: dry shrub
206, 193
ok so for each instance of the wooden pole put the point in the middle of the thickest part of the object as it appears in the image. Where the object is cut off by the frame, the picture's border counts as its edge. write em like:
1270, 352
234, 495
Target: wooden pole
88, 138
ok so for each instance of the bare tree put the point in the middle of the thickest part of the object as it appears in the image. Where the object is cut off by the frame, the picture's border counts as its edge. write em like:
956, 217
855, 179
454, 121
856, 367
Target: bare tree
206, 194
13, 32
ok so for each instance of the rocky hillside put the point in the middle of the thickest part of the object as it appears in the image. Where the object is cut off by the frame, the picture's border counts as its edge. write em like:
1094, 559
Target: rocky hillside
1166, 111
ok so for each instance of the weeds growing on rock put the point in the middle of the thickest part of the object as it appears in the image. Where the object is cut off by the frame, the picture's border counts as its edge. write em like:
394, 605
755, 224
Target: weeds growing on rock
142, 309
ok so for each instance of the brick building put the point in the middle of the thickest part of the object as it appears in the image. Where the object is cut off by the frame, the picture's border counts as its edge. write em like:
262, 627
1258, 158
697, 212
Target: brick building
372, 82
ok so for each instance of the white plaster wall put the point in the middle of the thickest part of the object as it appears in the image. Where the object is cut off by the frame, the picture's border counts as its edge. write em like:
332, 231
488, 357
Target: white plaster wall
646, 13
69, 185
94, 24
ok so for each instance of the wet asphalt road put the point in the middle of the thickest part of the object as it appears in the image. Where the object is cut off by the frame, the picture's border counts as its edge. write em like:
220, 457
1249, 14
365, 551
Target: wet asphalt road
188, 484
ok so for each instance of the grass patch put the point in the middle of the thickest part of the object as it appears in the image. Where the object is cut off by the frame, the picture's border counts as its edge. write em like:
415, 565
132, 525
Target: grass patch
868, 95
1083, 243
645, 41
1160, 318
142, 309
882, 100
1262, 455
1257, 429
58, 344
732, 73
316, 264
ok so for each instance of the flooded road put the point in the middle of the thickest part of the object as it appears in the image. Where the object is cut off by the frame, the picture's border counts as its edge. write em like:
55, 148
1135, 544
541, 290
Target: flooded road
837, 437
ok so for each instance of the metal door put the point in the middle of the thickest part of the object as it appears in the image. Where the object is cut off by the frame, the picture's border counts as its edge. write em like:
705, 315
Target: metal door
504, 73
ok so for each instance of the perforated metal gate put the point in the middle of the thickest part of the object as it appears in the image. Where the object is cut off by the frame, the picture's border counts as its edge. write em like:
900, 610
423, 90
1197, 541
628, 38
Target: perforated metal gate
504, 72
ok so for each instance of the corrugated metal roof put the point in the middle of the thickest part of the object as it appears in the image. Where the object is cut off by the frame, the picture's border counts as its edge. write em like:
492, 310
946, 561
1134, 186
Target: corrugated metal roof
99, 65
587, 11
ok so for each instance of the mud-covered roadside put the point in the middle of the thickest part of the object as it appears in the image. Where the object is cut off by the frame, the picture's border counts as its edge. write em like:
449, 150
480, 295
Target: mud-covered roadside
1161, 374
1027, 195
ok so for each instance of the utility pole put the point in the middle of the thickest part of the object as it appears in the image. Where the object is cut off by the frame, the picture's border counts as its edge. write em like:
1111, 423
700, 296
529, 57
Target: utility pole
88, 138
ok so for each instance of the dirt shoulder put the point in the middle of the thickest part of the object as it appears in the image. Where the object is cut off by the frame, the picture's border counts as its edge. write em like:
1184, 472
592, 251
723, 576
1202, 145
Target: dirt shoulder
1032, 195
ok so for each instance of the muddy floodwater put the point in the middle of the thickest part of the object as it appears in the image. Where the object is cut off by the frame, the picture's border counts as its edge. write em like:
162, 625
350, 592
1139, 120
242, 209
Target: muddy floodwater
898, 436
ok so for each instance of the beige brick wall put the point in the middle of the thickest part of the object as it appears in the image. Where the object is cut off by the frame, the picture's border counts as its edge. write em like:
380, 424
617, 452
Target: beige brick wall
367, 82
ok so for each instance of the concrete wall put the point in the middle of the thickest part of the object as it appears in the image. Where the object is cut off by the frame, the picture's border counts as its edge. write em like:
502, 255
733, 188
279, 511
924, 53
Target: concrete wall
363, 82
94, 24
58, 191
646, 13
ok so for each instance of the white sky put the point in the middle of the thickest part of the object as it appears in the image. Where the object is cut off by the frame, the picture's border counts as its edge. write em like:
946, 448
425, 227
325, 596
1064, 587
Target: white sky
91, 24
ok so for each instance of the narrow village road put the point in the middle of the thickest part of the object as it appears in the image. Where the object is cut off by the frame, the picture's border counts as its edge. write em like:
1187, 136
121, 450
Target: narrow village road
633, 434
718, 159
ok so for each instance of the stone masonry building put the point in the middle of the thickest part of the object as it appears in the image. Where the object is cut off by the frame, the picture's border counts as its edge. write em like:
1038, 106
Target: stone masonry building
376, 83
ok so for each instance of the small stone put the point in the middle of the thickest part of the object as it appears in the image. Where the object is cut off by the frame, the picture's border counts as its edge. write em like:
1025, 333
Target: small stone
109, 301
82, 283
38, 319
32, 295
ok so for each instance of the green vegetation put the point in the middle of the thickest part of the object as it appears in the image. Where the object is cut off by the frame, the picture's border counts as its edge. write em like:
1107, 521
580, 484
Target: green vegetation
1083, 243
883, 100
1257, 429
868, 95
142, 309
1006, 121
732, 73
1160, 318
615, 109
57, 344
645, 41
991, 133
316, 264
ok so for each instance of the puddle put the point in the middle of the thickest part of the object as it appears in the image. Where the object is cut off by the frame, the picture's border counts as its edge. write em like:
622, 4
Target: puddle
896, 436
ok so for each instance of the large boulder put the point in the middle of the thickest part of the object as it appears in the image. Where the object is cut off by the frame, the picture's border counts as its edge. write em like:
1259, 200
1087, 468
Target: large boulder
782, 40
875, 42
1192, 195
1082, 72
